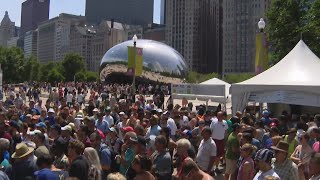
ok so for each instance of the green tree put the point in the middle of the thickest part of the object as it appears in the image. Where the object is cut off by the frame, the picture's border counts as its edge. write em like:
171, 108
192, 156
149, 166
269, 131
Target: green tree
35, 70
55, 75
81, 76
286, 20
237, 77
195, 77
92, 76
11, 60
72, 64
44, 70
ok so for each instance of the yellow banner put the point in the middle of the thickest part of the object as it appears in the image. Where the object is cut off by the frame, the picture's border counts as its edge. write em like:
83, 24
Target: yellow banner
261, 61
135, 64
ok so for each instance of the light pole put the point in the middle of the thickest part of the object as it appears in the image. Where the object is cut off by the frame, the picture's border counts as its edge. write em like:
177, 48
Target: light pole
134, 39
261, 58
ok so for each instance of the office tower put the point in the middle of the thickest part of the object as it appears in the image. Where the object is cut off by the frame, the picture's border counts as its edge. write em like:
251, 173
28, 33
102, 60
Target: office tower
163, 12
240, 19
138, 12
192, 28
30, 43
7, 30
54, 37
33, 12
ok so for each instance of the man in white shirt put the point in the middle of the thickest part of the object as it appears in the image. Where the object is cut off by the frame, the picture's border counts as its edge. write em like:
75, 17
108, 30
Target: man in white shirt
80, 98
173, 127
108, 117
69, 98
207, 151
219, 128
263, 161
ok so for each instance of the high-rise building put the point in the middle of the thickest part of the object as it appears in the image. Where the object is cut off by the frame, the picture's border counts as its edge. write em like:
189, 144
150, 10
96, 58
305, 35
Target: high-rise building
33, 12
192, 28
240, 19
54, 37
7, 30
30, 43
138, 12
163, 12
81, 43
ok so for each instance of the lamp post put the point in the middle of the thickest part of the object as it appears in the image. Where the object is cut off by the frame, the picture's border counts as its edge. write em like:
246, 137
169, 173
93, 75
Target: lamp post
134, 39
261, 58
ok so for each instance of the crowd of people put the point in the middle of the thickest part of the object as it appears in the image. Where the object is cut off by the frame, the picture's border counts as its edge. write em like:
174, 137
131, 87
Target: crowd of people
97, 132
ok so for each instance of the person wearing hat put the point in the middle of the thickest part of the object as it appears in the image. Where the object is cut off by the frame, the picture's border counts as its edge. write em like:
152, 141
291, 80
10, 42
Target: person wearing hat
50, 117
115, 142
66, 132
24, 166
284, 167
41, 149
263, 162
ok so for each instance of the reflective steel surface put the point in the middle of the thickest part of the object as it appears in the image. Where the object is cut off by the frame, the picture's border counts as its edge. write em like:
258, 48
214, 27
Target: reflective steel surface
157, 57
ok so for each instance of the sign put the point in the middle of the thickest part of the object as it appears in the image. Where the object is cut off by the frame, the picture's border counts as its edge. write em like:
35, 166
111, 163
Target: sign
199, 89
286, 97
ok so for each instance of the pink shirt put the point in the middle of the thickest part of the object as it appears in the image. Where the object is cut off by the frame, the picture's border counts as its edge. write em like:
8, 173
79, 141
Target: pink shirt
316, 146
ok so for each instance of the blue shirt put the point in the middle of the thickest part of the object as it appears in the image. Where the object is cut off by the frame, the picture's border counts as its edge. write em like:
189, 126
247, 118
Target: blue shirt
50, 119
102, 126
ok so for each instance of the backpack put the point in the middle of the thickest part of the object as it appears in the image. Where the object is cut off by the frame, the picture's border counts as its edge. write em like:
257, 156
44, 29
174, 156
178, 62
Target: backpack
114, 167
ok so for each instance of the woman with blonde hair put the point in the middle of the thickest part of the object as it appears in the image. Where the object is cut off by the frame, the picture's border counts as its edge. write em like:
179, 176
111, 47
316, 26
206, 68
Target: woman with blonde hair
94, 162
247, 166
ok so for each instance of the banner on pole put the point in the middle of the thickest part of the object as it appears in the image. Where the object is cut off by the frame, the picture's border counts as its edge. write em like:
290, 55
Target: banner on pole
135, 61
261, 61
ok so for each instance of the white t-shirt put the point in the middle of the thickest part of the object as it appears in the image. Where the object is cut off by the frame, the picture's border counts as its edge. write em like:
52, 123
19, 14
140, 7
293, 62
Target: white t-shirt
172, 125
261, 176
206, 150
69, 98
109, 119
184, 121
80, 98
218, 128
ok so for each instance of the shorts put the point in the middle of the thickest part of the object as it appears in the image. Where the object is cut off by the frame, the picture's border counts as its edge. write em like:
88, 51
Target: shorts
231, 166
220, 147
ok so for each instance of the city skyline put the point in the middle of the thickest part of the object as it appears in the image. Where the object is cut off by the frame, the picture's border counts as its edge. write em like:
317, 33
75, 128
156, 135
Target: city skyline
76, 7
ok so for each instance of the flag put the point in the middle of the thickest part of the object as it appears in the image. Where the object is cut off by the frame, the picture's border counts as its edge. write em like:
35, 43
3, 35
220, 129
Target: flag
135, 67
261, 61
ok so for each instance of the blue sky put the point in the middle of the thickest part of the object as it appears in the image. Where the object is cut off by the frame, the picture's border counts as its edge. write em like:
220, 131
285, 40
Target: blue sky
76, 7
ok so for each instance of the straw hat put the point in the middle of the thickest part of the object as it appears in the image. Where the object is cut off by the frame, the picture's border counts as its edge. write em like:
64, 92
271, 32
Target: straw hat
22, 150
281, 146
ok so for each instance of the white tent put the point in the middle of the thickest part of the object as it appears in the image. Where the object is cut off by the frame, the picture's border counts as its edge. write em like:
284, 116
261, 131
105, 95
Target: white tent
293, 80
217, 81
213, 89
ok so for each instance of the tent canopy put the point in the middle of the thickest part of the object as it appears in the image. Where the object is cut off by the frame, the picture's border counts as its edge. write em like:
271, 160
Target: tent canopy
218, 81
296, 72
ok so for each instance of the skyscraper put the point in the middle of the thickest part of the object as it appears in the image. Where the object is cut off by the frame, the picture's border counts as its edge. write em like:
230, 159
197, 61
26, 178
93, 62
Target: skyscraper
192, 28
163, 12
240, 19
7, 30
33, 12
138, 12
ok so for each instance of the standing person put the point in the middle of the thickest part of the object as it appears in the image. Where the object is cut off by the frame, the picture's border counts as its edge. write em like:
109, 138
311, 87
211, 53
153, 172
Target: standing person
102, 124
207, 151
94, 162
290, 138
69, 98
108, 118
283, 166
302, 154
219, 128
79, 167
315, 166
44, 163
263, 161
233, 153
162, 164
191, 171
246, 169
142, 166
80, 98
24, 165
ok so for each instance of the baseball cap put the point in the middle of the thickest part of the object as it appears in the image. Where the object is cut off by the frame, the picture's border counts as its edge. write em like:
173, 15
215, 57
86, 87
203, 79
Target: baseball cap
66, 128
112, 129
127, 129
159, 110
95, 110
264, 155
107, 109
51, 110
122, 113
56, 127
32, 133
41, 125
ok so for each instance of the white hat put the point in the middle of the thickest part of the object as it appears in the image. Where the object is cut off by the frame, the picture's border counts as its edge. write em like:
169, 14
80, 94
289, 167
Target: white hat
95, 110
51, 110
32, 133
66, 128
159, 110
122, 113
